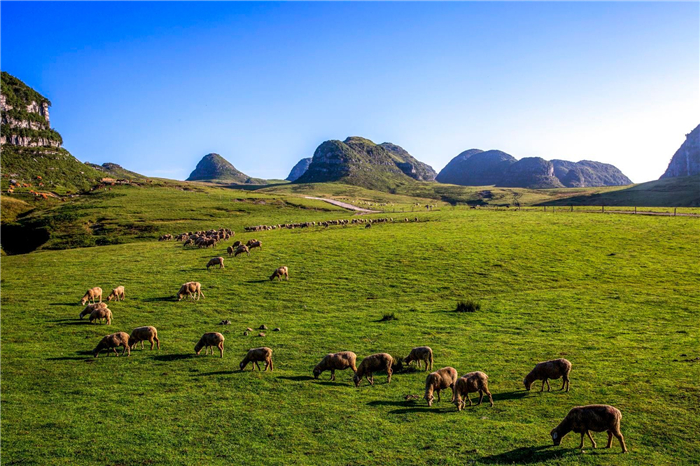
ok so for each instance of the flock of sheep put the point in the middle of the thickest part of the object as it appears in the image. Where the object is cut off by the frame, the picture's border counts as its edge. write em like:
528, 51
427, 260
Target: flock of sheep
581, 419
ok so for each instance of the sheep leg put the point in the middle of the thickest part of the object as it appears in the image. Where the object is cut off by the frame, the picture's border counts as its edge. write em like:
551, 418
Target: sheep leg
258, 365
389, 372
489, 394
332, 374
563, 384
438, 394
452, 387
469, 398
619, 436
591, 437
581, 446
610, 437
151, 343
221, 348
549, 389
481, 396
151, 340
542, 389
115, 350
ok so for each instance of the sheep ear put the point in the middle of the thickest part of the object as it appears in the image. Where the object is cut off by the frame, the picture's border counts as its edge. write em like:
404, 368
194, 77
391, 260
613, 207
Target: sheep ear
554, 435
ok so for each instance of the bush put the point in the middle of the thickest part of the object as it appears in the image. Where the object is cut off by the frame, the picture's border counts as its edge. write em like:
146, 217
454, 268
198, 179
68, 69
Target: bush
468, 306
389, 316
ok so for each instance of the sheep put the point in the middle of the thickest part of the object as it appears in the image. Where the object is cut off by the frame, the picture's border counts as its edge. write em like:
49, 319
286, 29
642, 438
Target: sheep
113, 341
254, 244
421, 353
117, 294
230, 250
549, 370
371, 364
101, 313
91, 307
596, 418
258, 354
210, 340
216, 261
141, 334
236, 244
470, 383
91, 295
190, 289
336, 361
440, 380
241, 249
250, 242
279, 273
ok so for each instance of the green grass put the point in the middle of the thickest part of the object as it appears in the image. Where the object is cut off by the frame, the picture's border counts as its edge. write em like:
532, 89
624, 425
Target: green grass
616, 295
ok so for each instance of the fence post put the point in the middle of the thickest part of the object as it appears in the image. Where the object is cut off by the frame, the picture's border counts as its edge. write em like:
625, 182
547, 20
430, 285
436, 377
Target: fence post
602, 208
572, 207
674, 211
635, 209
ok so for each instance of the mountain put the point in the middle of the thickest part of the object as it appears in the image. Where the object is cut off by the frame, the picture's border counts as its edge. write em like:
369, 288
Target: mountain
529, 172
299, 169
408, 164
214, 167
475, 167
686, 160
587, 173
117, 171
360, 162
31, 149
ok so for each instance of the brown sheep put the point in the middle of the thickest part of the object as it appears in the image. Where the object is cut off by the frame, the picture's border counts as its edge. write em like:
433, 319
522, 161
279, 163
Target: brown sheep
370, 365
471, 383
209, 341
216, 261
113, 341
241, 249
336, 362
101, 313
254, 244
549, 370
440, 380
421, 353
117, 294
596, 418
258, 354
91, 307
91, 295
190, 289
250, 242
279, 273
141, 334
236, 244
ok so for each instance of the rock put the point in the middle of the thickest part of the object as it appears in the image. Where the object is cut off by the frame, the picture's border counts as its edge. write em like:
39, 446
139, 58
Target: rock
214, 167
263, 327
261, 334
276, 329
299, 169
686, 160
475, 167
587, 173
530, 172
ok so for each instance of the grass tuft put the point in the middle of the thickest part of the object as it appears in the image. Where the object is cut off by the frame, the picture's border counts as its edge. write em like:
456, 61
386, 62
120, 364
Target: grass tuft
468, 306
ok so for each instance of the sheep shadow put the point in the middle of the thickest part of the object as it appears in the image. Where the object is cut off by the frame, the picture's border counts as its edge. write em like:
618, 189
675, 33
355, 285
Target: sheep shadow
174, 357
296, 378
207, 374
258, 281
514, 395
74, 322
526, 455
329, 383
74, 303
69, 358
424, 409
162, 298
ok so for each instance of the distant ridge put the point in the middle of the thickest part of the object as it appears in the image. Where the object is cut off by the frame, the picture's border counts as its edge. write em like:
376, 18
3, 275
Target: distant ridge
214, 167
299, 169
686, 160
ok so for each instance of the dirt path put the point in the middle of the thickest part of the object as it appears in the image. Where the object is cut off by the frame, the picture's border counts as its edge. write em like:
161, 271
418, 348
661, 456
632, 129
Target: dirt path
344, 205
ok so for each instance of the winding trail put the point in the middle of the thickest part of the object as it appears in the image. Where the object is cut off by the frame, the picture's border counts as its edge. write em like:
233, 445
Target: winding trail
344, 205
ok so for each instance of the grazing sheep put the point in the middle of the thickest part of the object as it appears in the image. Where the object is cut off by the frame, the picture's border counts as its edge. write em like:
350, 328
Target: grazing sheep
113, 341
471, 383
336, 362
209, 341
216, 261
250, 242
279, 273
117, 294
101, 313
258, 354
91, 307
549, 370
230, 250
596, 418
440, 380
421, 353
241, 249
236, 244
91, 295
372, 364
190, 289
141, 334
254, 244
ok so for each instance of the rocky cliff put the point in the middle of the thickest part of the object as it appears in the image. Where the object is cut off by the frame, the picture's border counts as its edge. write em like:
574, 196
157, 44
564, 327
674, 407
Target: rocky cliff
299, 169
475, 167
686, 160
408, 164
214, 167
587, 173
530, 172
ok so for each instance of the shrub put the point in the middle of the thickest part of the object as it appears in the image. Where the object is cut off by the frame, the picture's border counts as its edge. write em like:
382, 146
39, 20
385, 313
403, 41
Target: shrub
388, 316
468, 306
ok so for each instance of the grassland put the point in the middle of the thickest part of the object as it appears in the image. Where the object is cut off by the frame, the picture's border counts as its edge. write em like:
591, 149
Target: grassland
616, 295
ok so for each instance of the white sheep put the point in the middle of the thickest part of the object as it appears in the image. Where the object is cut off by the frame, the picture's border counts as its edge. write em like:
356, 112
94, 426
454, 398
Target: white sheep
209, 341
91, 295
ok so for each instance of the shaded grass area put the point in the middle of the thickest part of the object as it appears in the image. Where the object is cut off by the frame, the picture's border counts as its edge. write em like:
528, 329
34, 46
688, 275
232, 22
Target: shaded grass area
616, 295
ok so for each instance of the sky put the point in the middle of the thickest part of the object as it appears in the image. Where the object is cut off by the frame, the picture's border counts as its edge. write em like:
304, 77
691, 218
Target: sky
156, 86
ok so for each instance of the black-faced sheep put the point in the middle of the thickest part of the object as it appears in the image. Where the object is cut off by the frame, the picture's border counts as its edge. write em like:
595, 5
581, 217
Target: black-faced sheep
279, 273
596, 418
101, 313
112, 342
209, 341
190, 289
471, 383
91, 307
421, 353
549, 370
256, 355
117, 294
370, 365
336, 362
216, 261
141, 334
91, 295
441, 379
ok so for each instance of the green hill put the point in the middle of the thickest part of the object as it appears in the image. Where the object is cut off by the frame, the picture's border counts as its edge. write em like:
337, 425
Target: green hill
214, 167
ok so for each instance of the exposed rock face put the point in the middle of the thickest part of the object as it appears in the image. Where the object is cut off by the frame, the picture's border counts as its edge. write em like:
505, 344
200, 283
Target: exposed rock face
587, 173
686, 160
299, 169
475, 167
530, 172
214, 167
408, 164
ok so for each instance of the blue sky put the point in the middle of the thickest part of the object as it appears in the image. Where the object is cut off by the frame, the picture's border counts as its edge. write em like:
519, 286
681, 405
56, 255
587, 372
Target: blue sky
155, 86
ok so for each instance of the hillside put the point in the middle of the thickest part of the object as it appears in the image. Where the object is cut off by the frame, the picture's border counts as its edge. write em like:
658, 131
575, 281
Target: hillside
214, 167
587, 173
299, 169
475, 167
117, 171
686, 160
531, 173
408, 164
